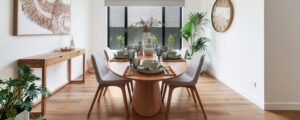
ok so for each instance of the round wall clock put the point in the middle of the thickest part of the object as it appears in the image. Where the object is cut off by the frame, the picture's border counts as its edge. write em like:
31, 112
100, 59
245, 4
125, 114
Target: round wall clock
222, 15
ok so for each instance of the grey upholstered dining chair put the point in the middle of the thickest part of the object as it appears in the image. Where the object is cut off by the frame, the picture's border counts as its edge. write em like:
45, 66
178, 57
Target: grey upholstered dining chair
184, 53
189, 80
106, 78
108, 56
107, 53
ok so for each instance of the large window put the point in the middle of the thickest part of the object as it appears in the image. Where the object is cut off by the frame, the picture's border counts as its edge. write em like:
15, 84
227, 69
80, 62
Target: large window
120, 18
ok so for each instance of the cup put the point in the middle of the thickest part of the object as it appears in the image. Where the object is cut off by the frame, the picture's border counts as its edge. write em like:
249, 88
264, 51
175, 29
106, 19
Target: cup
165, 55
136, 62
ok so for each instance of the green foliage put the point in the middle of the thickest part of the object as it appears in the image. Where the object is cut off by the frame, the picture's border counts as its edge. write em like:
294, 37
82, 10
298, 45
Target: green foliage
200, 44
154, 39
136, 42
121, 41
110, 39
194, 28
171, 41
10, 100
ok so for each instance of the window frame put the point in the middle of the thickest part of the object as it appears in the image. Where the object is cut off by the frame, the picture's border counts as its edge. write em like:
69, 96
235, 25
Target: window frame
126, 25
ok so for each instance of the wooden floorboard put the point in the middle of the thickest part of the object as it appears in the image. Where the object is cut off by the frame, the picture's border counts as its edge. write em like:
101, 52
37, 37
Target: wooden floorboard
220, 102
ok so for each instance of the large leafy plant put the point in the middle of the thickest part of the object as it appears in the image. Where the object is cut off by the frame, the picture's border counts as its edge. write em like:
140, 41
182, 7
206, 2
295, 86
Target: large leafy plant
193, 30
18, 94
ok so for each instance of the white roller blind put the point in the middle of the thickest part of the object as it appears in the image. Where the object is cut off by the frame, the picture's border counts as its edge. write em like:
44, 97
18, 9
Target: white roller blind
144, 2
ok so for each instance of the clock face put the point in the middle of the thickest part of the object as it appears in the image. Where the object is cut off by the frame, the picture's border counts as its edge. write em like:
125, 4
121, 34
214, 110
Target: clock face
222, 15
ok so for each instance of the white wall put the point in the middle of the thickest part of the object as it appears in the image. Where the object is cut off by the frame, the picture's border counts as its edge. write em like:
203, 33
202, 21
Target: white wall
282, 68
99, 26
236, 57
13, 48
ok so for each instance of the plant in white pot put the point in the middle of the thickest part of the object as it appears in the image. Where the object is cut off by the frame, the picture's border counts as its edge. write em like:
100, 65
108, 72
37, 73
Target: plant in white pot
146, 26
17, 95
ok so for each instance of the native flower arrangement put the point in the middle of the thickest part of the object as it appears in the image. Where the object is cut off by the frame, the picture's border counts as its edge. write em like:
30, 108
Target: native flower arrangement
146, 25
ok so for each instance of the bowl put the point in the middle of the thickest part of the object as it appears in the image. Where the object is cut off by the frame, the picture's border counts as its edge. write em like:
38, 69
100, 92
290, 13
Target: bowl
150, 64
142, 70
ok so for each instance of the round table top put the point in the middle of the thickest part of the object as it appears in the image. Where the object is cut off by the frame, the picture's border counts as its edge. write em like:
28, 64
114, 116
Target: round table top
119, 68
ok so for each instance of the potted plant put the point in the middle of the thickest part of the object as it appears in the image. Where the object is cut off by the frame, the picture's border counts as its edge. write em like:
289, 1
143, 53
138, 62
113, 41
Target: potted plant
171, 41
193, 30
17, 95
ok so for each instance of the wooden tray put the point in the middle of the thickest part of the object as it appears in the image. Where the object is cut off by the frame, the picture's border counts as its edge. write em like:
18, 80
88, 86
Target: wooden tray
130, 71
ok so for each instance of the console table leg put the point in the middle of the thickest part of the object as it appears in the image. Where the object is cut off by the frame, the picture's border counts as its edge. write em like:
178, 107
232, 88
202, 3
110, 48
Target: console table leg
83, 67
44, 79
70, 70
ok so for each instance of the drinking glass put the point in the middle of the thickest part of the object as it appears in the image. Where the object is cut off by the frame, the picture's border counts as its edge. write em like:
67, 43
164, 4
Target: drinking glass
131, 56
165, 55
158, 53
137, 49
136, 62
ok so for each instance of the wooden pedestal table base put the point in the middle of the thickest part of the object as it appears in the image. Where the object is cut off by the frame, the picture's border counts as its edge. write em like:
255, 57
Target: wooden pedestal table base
146, 98
146, 94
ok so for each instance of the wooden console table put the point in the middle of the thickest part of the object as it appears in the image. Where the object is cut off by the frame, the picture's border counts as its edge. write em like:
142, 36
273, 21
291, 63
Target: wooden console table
45, 60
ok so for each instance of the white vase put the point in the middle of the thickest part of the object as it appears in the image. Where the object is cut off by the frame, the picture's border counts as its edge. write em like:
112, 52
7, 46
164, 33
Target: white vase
148, 48
22, 116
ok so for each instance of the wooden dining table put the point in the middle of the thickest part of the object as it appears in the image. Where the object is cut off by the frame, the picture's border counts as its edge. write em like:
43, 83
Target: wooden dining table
146, 99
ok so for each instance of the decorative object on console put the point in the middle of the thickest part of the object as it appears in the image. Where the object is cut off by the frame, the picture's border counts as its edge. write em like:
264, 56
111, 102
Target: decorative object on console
222, 15
70, 45
39, 17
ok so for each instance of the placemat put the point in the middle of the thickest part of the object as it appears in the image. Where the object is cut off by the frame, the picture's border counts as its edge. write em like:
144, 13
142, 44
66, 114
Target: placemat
130, 71
175, 60
119, 60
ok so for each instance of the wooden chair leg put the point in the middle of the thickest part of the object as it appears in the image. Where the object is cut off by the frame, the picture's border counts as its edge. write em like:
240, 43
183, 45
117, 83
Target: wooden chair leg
100, 94
193, 94
164, 93
162, 87
131, 83
105, 91
169, 102
95, 97
125, 100
187, 89
129, 92
199, 100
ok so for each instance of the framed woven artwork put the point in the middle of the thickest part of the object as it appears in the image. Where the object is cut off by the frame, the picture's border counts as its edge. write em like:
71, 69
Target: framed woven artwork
42, 17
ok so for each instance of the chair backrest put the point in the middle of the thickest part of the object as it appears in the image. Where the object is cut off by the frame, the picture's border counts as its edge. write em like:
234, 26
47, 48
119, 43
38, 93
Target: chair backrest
100, 66
184, 53
195, 66
107, 54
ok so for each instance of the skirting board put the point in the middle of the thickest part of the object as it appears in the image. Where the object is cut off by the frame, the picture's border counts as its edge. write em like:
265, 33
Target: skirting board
239, 90
282, 106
